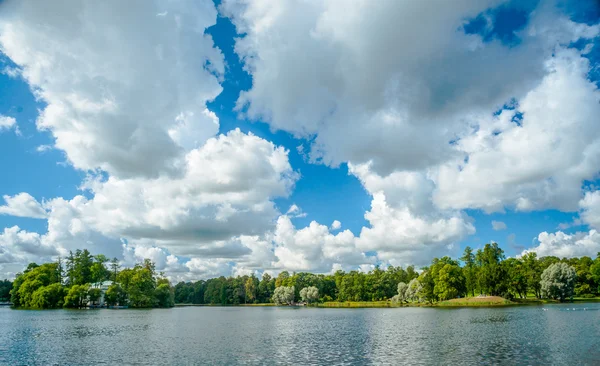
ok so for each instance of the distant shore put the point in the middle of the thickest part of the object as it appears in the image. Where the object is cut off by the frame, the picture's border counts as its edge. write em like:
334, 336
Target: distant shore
485, 301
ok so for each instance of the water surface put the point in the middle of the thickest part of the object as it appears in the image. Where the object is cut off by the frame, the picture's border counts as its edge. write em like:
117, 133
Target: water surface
529, 335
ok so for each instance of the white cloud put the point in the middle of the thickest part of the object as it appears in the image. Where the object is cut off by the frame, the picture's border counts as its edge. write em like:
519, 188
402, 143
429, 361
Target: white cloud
11, 72
22, 205
295, 211
363, 100
498, 225
563, 245
225, 191
124, 94
208, 268
314, 248
336, 225
17, 245
590, 209
405, 226
224, 194
541, 163
397, 109
7, 123
43, 148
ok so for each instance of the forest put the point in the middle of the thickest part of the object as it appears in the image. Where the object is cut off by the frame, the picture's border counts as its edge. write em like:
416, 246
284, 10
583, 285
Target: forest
74, 282
485, 271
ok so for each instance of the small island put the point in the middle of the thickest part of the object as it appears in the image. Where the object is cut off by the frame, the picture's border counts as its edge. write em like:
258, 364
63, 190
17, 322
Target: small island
84, 280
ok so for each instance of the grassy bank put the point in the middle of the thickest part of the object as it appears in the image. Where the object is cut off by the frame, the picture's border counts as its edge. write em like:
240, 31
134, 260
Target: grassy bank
470, 302
476, 301
482, 301
356, 304
219, 305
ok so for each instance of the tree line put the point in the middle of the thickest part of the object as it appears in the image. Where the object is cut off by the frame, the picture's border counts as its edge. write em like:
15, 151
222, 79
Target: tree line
72, 282
5, 287
75, 282
485, 271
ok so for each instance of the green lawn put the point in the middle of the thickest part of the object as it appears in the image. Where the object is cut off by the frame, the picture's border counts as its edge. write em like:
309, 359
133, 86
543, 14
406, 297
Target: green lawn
476, 301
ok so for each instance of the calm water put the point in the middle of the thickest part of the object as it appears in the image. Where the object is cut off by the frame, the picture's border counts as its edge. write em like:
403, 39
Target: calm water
256, 336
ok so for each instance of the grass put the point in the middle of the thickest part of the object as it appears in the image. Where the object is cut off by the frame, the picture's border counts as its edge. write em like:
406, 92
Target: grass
356, 304
186, 305
477, 301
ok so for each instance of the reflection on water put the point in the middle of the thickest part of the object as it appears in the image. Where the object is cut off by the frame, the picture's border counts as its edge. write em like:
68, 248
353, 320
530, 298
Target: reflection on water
531, 335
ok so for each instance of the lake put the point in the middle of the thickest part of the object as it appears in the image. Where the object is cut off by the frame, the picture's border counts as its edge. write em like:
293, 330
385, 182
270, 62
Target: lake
529, 335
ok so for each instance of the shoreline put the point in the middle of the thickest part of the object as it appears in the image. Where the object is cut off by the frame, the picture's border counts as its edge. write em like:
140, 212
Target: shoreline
387, 304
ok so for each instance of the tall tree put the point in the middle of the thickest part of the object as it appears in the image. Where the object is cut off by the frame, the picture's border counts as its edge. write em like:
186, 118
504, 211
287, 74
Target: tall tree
114, 268
250, 287
558, 281
492, 275
469, 270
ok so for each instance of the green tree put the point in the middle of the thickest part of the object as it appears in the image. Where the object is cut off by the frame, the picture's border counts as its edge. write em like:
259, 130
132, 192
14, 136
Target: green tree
517, 277
164, 294
492, 275
533, 273
32, 279
98, 271
94, 295
114, 269
558, 281
402, 295
427, 285
48, 297
414, 290
139, 283
250, 287
309, 294
115, 295
266, 288
469, 271
284, 295
5, 287
448, 280
281, 278
77, 296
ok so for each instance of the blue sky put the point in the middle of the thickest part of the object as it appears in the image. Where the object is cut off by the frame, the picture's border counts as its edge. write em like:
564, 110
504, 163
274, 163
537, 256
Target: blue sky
405, 140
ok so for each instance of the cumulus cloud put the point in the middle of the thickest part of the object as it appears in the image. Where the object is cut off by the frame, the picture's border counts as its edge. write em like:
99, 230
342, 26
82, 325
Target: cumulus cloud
564, 245
397, 107
336, 225
7, 123
17, 245
429, 106
22, 205
590, 209
124, 94
405, 226
539, 162
225, 191
498, 225
295, 211
223, 198
314, 248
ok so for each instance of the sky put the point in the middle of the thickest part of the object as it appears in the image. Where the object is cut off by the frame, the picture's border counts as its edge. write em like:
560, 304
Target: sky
250, 136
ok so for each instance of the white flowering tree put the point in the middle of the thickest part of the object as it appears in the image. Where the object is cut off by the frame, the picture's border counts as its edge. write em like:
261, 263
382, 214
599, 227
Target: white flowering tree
284, 295
402, 293
413, 290
558, 281
309, 294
